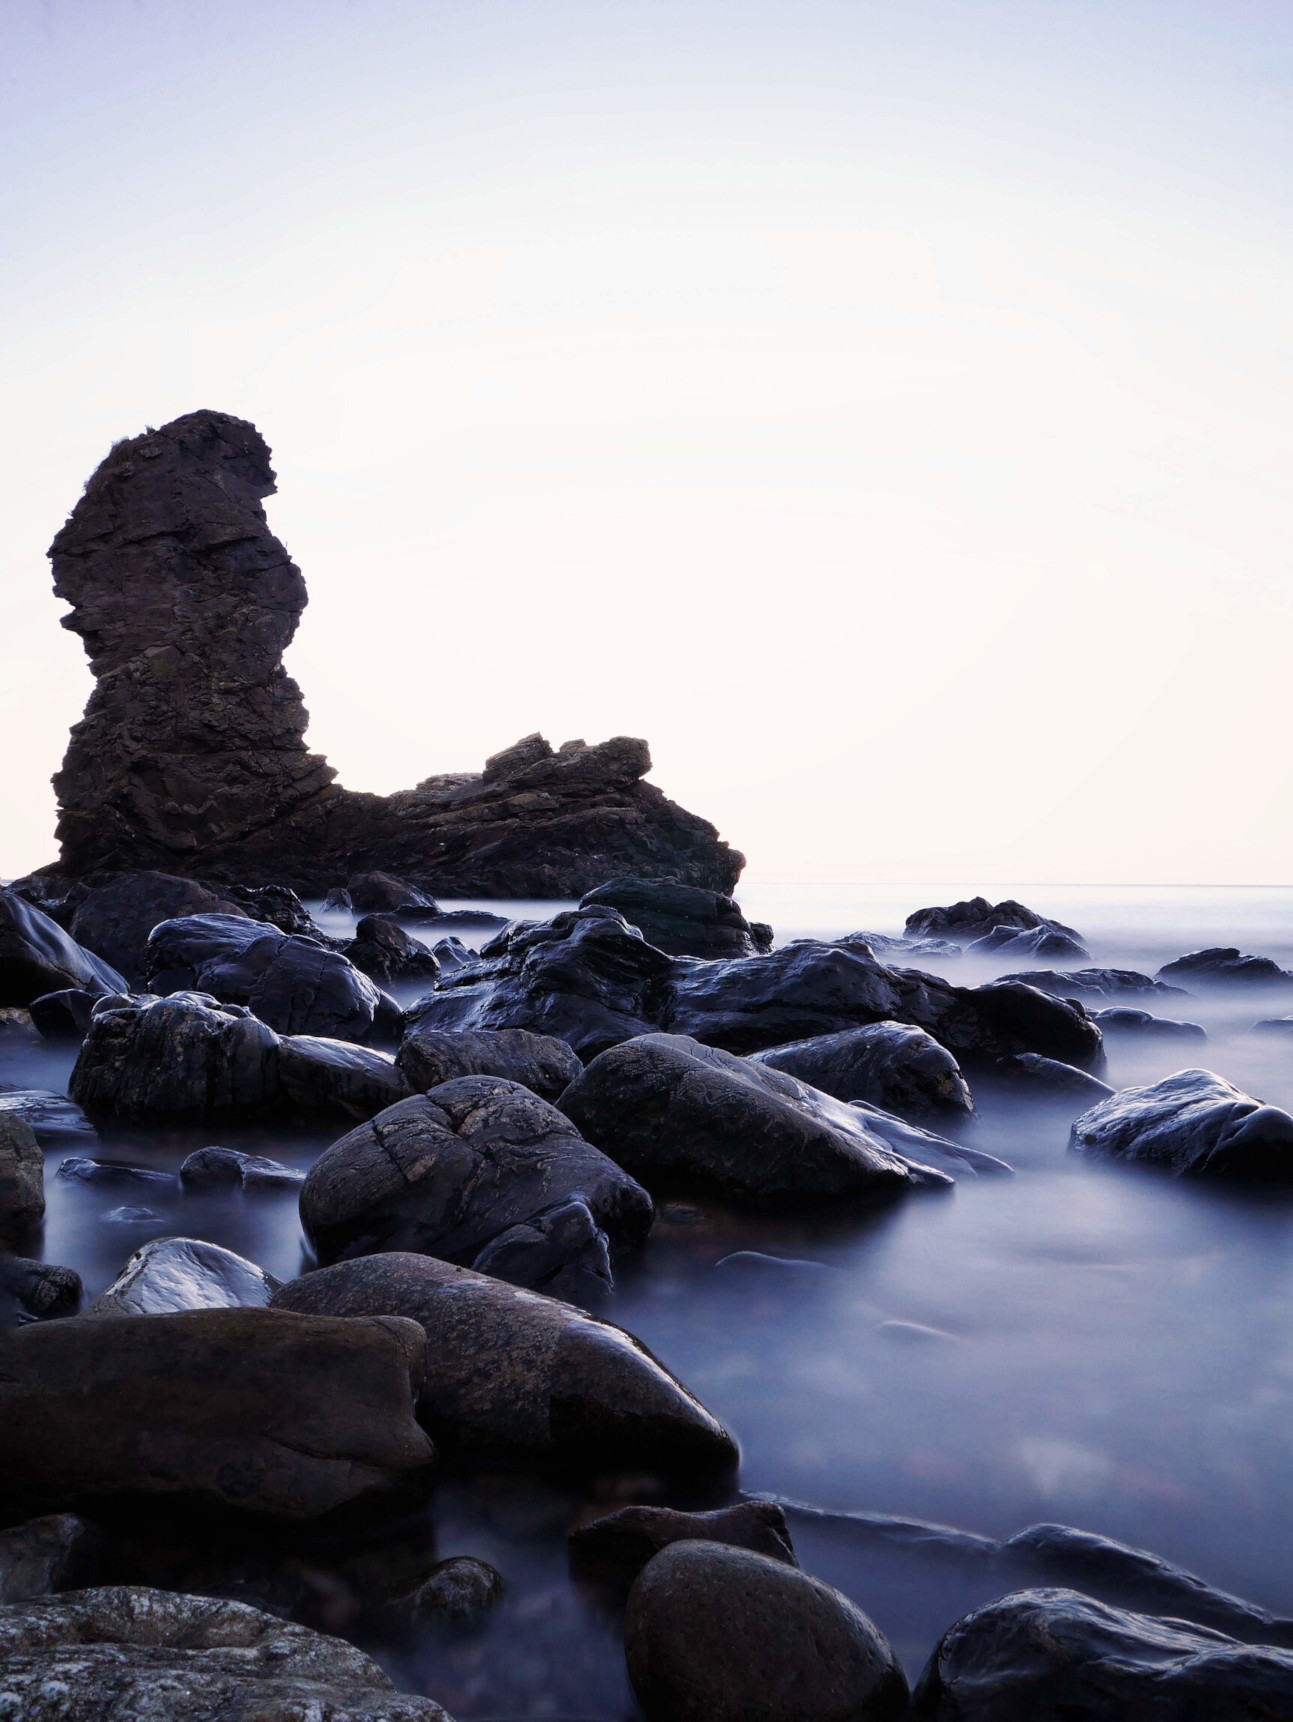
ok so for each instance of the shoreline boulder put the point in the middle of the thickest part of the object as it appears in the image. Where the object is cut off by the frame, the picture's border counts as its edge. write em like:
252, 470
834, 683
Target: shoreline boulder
890, 1064
1192, 1124
38, 957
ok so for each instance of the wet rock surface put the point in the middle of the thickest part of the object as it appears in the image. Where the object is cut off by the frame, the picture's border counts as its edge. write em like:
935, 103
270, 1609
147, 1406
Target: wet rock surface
1017, 943
159, 1657
540, 1062
383, 951
1056, 1653
172, 1274
248, 1408
1193, 1124
216, 1168
57, 1121
682, 920
38, 957
1121, 1020
452, 1172
890, 1064
1030, 1072
194, 734
1224, 966
715, 1634
115, 919
22, 1178
977, 918
334, 1076
513, 1374
36, 1291
613, 1550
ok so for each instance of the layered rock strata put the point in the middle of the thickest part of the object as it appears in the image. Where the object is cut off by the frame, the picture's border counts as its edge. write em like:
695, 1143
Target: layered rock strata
191, 756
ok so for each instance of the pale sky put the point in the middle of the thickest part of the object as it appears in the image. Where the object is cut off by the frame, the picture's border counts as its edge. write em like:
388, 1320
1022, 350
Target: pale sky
884, 408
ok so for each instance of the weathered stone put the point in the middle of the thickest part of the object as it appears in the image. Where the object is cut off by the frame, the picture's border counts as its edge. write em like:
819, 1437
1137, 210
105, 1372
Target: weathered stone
561, 1251
78, 1169
186, 1056
450, 1172
1033, 942
715, 1634
248, 1408
335, 1076
540, 1062
57, 1121
681, 1115
613, 1550
1055, 1653
213, 1168
683, 920
1094, 983
515, 1375
376, 893
154, 1656
38, 957
279, 905
1223, 966
975, 918
22, 1178
64, 1015
171, 1274
115, 920
891, 1064
1193, 1124
457, 1596
296, 985
47, 1555
191, 755
1122, 1022
383, 951
1033, 1073
36, 1291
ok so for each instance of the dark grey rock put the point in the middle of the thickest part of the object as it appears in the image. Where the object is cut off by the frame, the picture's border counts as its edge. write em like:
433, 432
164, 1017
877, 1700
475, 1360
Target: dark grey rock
718, 1634
1122, 1022
683, 920
561, 1251
1034, 942
448, 1173
540, 1062
211, 1168
1223, 966
36, 1291
154, 1656
1031, 1072
57, 1121
249, 1408
682, 1115
22, 1178
975, 918
295, 985
1192, 1124
337, 1077
511, 1374
456, 1597
452, 954
64, 1015
77, 1169
186, 1056
46, 1555
338, 898
278, 904
890, 1064
115, 919
386, 953
37, 957
613, 1550
172, 1274
1095, 983
376, 893
1039, 1654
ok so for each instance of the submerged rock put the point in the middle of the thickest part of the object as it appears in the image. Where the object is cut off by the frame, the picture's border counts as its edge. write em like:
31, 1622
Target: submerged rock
1223, 966
1095, 983
115, 919
155, 1656
192, 749
22, 1178
1056, 1653
1120, 1021
540, 1062
976, 918
1017, 942
56, 1121
171, 1274
613, 1550
679, 1114
378, 893
38, 957
213, 1168
36, 1291
247, 1408
77, 1169
1193, 1124
891, 1064
452, 1172
683, 920
1041, 1076
715, 1634
511, 1374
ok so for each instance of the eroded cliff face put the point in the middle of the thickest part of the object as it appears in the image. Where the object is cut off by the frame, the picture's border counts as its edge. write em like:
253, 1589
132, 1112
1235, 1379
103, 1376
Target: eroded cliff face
191, 756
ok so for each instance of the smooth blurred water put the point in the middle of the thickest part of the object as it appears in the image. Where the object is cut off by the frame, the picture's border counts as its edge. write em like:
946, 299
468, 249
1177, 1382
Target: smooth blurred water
1102, 1348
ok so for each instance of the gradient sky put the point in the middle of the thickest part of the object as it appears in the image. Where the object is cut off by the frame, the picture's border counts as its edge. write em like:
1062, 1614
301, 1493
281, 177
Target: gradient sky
884, 408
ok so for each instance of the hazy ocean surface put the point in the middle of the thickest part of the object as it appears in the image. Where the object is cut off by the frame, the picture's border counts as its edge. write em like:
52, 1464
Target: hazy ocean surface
1101, 1348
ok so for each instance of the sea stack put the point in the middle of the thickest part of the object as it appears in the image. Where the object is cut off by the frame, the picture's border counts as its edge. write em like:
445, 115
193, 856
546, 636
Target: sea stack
191, 756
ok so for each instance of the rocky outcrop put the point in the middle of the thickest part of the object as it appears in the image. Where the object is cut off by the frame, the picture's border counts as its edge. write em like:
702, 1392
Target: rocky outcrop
683, 920
1193, 1124
976, 918
191, 756
1224, 966
891, 1064
115, 920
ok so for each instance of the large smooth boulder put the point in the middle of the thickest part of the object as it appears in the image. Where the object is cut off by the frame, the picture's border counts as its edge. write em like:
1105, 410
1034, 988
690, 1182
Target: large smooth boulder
1037, 1655
171, 1274
511, 1374
1193, 1124
1223, 966
717, 1634
680, 1115
38, 957
386, 953
891, 1064
809, 988
585, 976
614, 1549
976, 917
336, 1076
22, 1178
453, 1172
250, 1408
154, 1656
1019, 942
683, 920
295, 985
45, 1555
1094, 983
541, 1062
114, 920
230, 1168
186, 1056
1122, 1022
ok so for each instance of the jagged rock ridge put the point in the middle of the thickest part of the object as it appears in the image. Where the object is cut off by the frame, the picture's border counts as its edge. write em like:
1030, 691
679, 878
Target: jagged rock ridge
191, 756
